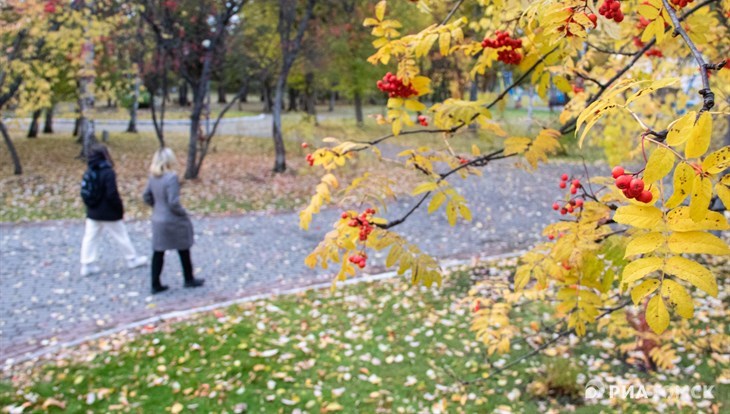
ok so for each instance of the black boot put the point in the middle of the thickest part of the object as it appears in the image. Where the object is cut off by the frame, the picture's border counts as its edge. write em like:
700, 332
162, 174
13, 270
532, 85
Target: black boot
187, 266
157, 262
159, 289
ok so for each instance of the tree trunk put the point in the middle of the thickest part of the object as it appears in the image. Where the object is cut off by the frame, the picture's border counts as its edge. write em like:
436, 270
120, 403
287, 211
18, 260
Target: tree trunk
280, 150
191, 169
310, 99
293, 94
221, 94
132, 126
17, 168
332, 101
244, 93
183, 94
358, 108
267, 99
77, 124
86, 94
33, 129
48, 124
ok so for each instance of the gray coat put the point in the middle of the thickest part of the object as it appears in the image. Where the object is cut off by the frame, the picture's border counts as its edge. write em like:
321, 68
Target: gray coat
171, 226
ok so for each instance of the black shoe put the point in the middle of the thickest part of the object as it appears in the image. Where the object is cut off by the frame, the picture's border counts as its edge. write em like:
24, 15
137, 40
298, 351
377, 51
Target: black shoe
195, 283
159, 289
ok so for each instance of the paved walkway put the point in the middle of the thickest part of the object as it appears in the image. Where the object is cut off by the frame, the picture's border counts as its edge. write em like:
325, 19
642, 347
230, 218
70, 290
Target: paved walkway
251, 126
43, 299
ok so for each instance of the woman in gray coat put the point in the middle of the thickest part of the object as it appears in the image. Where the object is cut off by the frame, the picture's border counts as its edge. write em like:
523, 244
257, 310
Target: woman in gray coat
171, 226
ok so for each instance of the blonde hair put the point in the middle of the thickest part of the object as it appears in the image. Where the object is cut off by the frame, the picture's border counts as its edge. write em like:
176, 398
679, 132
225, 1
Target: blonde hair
163, 160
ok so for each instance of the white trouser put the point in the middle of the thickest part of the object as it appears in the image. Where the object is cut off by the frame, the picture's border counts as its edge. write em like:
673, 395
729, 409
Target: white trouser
118, 232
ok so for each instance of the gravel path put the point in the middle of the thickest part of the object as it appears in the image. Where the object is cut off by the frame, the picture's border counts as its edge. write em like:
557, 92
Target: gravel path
43, 299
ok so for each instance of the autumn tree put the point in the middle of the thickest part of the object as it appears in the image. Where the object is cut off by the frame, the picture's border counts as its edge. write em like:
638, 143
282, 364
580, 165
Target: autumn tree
646, 81
291, 32
191, 37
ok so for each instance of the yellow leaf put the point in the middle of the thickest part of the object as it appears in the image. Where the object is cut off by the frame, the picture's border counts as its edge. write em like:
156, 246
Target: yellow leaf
562, 84
683, 180
414, 105
516, 145
692, 272
424, 187
436, 202
724, 193
717, 162
176, 408
380, 10
643, 217
699, 139
646, 243
679, 131
658, 84
333, 407
678, 298
640, 268
698, 242
701, 195
647, 11
475, 151
643, 290
659, 165
657, 316
444, 42
679, 220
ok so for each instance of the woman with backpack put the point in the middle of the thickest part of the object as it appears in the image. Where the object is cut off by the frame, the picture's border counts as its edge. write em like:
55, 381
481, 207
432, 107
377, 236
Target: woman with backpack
104, 212
171, 225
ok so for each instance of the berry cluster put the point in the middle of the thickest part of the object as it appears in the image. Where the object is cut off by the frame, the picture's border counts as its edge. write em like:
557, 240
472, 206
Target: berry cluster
578, 89
359, 259
310, 159
574, 202
654, 52
361, 221
422, 120
395, 88
574, 185
631, 186
681, 3
50, 6
611, 9
510, 55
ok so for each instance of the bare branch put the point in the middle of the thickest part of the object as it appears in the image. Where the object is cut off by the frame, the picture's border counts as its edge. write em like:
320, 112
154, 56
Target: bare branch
451, 13
707, 95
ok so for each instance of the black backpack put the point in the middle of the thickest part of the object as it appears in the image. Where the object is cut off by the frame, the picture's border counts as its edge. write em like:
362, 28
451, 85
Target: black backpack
91, 191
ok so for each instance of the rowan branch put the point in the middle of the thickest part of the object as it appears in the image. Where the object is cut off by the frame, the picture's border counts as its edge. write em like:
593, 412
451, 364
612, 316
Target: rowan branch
541, 348
451, 13
707, 95
570, 126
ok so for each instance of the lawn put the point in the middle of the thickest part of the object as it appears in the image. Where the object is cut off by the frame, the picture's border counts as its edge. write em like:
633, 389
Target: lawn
372, 347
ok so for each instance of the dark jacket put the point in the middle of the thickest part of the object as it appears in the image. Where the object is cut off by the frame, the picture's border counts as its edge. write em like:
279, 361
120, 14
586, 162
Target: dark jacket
110, 208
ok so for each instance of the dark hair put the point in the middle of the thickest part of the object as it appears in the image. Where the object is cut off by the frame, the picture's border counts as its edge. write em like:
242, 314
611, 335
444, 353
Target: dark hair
101, 151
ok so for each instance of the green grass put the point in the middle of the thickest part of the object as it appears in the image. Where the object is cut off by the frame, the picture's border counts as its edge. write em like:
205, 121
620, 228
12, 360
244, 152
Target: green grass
372, 347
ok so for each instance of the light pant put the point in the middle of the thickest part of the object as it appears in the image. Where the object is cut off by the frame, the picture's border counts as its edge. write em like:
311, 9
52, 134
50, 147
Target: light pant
94, 229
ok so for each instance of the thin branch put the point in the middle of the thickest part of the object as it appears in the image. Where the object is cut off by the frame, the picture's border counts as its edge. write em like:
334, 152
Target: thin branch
707, 95
609, 52
408, 214
570, 126
520, 79
451, 13
541, 348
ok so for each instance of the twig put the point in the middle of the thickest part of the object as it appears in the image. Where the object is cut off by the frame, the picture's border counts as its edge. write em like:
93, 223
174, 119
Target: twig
451, 13
609, 52
541, 348
707, 95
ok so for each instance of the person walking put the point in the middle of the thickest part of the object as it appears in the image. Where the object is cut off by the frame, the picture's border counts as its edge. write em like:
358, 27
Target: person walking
104, 212
171, 225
